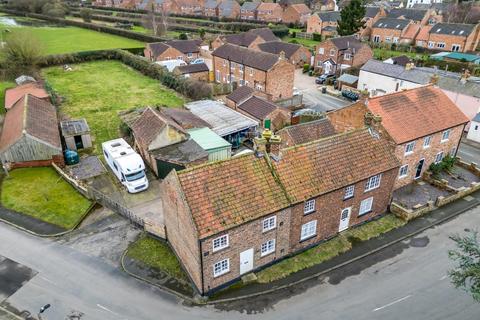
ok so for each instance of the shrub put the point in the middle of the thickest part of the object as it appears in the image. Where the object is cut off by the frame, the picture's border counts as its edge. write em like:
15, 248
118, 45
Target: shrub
182, 36
306, 68
86, 14
294, 41
446, 164
293, 34
279, 30
317, 36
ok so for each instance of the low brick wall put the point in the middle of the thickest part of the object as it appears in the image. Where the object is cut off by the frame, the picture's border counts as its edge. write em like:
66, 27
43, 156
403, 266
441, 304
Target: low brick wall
410, 214
56, 160
460, 193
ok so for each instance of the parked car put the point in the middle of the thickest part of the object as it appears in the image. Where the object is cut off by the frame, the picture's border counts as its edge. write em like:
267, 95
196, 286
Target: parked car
350, 95
323, 78
198, 61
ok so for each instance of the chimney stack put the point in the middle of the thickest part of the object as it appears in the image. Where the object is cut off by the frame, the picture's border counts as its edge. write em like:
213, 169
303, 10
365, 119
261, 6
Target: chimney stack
409, 66
281, 55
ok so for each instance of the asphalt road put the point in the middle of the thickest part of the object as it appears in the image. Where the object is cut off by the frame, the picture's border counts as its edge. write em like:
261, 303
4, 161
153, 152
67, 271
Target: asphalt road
469, 153
406, 281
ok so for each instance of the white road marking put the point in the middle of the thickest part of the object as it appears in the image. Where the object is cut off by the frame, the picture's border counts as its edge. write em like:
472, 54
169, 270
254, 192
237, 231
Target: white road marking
106, 309
48, 280
392, 303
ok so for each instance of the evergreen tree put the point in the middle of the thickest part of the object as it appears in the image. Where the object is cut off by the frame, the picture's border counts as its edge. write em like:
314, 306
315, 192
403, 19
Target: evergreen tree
467, 273
351, 18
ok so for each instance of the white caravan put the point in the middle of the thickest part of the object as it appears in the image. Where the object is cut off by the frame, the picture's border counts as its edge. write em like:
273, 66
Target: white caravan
127, 165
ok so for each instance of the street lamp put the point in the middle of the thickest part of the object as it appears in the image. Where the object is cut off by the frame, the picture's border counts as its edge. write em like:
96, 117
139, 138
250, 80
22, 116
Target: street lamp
42, 310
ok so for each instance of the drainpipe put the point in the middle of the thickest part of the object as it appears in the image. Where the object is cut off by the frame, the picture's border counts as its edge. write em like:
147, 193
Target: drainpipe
201, 266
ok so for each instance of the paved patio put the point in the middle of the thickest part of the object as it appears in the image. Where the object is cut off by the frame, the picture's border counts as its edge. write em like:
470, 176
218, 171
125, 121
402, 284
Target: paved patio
418, 192
88, 167
460, 177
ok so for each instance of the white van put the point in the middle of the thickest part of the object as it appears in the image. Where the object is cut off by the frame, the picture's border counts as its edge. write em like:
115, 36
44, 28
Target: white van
127, 165
171, 64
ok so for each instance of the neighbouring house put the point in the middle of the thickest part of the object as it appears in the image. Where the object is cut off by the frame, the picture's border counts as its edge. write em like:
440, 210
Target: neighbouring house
187, 7
306, 132
379, 78
216, 147
474, 131
413, 3
417, 16
210, 8
324, 23
424, 124
13, 95
227, 123
298, 55
76, 134
239, 95
265, 111
273, 208
336, 54
186, 50
454, 37
162, 142
197, 71
228, 9
263, 71
325, 5
30, 135
250, 39
391, 30
248, 11
296, 14
269, 12
372, 14
156, 5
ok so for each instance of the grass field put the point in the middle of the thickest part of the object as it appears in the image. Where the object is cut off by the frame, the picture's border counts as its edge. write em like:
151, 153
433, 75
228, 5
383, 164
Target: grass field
157, 254
98, 90
3, 86
306, 42
43, 194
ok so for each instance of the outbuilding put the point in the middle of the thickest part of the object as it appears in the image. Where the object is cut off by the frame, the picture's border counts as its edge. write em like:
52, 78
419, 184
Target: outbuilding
76, 134
216, 147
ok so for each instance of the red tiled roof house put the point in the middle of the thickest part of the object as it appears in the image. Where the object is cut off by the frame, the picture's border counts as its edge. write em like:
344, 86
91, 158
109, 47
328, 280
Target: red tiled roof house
296, 14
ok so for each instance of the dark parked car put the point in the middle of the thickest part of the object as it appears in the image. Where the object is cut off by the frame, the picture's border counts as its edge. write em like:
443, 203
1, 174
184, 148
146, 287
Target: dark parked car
323, 78
350, 95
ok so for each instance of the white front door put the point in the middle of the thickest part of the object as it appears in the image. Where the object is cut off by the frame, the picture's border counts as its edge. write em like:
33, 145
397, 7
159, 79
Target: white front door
344, 219
246, 261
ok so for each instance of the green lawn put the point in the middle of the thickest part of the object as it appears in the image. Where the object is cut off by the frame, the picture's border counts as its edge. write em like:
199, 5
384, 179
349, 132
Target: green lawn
72, 39
43, 194
98, 90
383, 54
305, 42
329, 249
3, 86
157, 254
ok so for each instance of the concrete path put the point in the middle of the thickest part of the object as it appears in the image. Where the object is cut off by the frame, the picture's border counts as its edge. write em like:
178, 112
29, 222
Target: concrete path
30, 223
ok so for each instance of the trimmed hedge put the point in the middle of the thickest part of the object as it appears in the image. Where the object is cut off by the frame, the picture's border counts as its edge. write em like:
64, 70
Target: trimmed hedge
190, 88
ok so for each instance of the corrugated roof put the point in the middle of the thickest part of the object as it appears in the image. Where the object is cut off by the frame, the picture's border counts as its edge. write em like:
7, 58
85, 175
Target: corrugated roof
222, 119
207, 139
411, 114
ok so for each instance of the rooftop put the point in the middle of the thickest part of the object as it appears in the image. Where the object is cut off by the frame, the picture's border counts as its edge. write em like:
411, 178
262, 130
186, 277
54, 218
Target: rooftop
329, 15
74, 127
452, 29
207, 139
222, 120
276, 47
410, 114
391, 23
241, 94
185, 118
325, 165
244, 39
12, 95
249, 57
413, 14
307, 132
192, 68
257, 107
181, 153
185, 46
251, 6
251, 192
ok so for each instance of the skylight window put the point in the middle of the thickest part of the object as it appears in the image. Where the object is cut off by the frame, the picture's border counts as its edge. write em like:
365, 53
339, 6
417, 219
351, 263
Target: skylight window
461, 32
398, 26
439, 29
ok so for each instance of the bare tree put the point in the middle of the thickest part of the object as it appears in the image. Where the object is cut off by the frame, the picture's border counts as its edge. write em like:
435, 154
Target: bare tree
462, 12
21, 55
157, 23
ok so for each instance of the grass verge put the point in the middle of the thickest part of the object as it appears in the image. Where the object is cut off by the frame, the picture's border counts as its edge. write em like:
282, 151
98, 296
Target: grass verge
329, 249
98, 90
43, 194
4, 85
156, 254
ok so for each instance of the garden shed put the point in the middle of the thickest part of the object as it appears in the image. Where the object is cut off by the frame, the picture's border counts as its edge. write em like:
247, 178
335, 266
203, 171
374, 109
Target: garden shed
216, 147
76, 134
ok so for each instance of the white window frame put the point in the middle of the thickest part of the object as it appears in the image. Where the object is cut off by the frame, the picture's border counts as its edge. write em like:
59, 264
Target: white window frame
309, 206
189, 55
457, 46
439, 157
321, 50
441, 45
447, 134
395, 39
365, 206
349, 192
269, 223
347, 56
431, 44
373, 182
267, 248
223, 267
403, 172
409, 148
376, 39
388, 39
427, 141
308, 230
220, 243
